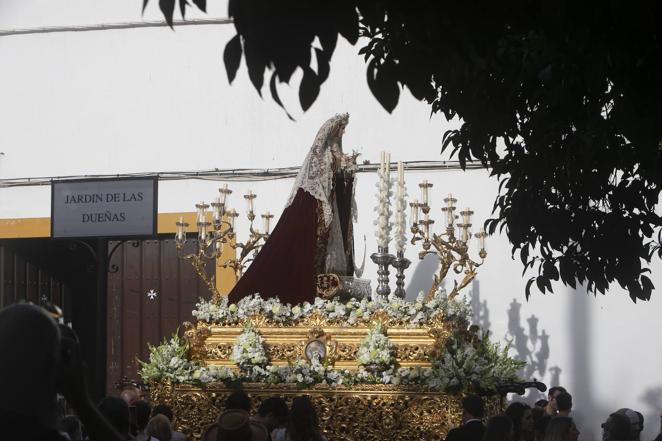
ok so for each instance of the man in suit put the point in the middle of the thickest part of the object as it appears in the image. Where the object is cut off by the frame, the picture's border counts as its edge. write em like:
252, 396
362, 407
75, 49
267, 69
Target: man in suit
472, 427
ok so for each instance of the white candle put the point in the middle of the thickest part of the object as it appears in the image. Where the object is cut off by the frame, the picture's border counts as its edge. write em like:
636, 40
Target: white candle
180, 229
217, 210
401, 206
224, 193
384, 186
414, 212
249, 200
424, 192
267, 217
449, 206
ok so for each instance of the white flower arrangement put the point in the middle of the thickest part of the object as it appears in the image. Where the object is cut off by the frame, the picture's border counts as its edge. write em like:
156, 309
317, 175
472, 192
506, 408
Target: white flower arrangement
469, 360
351, 312
474, 362
168, 360
376, 350
248, 350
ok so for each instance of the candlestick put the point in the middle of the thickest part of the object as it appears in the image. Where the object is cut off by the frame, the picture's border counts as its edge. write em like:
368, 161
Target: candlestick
414, 211
266, 220
481, 235
216, 210
382, 259
225, 192
249, 200
450, 208
180, 238
400, 263
232, 214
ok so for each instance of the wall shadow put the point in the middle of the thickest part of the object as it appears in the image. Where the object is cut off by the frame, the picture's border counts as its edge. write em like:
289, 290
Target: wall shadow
421, 278
480, 312
530, 344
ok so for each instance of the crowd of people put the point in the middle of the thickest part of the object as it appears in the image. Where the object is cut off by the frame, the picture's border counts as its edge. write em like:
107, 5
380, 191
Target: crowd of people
547, 420
45, 362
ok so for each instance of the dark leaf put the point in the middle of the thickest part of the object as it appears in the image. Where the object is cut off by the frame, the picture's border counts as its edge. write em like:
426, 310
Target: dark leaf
232, 57
201, 4
145, 5
308, 89
256, 64
323, 67
328, 39
383, 85
348, 23
274, 94
527, 291
540, 282
182, 8
167, 9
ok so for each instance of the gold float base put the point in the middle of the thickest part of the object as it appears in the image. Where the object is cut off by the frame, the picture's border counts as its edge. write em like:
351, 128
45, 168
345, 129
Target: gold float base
357, 413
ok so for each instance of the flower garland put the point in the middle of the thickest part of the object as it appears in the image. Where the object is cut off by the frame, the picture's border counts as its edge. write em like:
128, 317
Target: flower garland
351, 312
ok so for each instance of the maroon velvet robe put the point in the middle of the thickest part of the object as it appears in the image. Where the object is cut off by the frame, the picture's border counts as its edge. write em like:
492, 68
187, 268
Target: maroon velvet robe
287, 265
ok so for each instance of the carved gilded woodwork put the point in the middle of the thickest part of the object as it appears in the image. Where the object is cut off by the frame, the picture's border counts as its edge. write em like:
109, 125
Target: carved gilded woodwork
357, 413
212, 344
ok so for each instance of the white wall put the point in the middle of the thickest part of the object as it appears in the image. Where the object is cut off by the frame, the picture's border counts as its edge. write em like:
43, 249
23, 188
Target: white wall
150, 100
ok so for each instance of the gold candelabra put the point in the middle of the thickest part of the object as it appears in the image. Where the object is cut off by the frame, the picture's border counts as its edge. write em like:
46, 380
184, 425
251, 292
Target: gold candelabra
453, 252
215, 235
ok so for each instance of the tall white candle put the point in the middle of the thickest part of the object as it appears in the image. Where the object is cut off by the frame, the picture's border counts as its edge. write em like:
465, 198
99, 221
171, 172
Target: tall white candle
400, 209
383, 202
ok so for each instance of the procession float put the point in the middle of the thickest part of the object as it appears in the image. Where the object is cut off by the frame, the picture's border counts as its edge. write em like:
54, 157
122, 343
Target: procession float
300, 320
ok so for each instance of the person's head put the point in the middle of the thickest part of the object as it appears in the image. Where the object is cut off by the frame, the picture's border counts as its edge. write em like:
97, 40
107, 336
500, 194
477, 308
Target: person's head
561, 428
235, 425
116, 412
30, 338
238, 400
498, 428
159, 428
130, 395
70, 424
472, 407
522, 418
165, 410
540, 426
341, 121
616, 428
551, 397
143, 410
636, 422
564, 402
273, 412
303, 424
541, 403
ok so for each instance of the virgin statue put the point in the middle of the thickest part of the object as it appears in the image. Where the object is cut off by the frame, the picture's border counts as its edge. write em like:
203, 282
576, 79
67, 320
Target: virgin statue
314, 233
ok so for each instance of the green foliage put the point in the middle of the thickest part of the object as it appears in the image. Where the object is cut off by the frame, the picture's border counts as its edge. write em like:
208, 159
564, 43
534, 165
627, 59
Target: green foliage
562, 101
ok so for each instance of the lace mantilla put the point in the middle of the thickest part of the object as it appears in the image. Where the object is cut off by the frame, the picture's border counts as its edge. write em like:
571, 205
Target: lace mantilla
316, 174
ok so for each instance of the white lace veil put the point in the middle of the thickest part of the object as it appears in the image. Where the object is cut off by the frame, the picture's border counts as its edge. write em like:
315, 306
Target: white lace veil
316, 173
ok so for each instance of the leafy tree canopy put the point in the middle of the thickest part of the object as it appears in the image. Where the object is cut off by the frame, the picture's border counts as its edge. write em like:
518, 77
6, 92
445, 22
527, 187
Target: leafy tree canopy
560, 100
